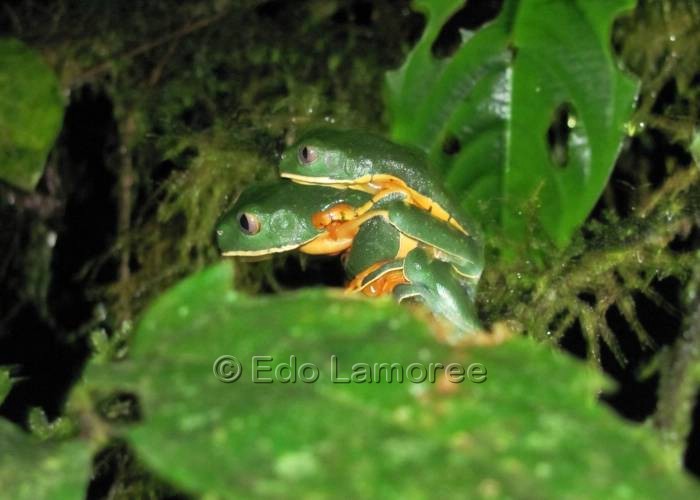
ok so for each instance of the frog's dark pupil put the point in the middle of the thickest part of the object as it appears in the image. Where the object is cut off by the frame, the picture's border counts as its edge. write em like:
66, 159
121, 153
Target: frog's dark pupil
307, 155
244, 223
249, 223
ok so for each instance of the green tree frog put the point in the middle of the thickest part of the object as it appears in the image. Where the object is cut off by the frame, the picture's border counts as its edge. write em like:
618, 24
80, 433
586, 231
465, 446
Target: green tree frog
272, 218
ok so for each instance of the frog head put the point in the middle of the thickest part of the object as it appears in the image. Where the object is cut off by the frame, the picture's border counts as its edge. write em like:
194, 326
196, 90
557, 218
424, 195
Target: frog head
278, 217
266, 219
339, 157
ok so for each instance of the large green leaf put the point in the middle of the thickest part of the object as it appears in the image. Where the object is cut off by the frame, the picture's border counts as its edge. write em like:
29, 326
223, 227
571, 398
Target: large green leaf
497, 97
532, 428
31, 112
35, 470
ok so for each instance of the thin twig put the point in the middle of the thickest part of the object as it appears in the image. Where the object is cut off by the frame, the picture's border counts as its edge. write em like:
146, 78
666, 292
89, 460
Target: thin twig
126, 182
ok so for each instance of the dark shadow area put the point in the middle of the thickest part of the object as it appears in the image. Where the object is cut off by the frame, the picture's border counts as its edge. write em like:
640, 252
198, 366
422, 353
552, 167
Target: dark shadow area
558, 135
470, 17
116, 466
40, 333
633, 398
315, 271
88, 227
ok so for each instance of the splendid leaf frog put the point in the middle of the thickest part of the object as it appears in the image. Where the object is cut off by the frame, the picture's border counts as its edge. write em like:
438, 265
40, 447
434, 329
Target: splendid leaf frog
367, 162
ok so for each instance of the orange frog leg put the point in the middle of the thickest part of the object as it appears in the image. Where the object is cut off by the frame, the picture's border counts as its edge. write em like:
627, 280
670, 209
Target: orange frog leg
343, 212
385, 284
381, 194
382, 285
387, 185
356, 283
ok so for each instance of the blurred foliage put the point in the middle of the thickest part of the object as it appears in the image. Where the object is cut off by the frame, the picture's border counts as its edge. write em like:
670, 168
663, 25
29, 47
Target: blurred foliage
31, 469
31, 111
484, 113
505, 437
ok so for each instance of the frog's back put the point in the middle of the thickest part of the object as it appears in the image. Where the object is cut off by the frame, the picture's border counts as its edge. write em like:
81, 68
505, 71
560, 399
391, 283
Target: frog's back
466, 252
373, 155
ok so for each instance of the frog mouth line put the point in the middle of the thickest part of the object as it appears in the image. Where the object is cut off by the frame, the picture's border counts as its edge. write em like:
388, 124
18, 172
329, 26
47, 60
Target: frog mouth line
257, 253
361, 184
314, 181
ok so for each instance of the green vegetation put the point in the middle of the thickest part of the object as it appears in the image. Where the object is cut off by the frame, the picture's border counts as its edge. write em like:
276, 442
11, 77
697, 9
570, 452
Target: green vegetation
483, 113
31, 110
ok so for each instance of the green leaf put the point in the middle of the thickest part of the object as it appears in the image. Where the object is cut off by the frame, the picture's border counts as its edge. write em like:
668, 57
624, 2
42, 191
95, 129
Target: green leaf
497, 96
534, 425
34, 470
31, 112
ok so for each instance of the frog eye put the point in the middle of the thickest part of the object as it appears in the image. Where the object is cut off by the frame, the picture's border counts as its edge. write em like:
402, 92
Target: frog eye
249, 223
307, 155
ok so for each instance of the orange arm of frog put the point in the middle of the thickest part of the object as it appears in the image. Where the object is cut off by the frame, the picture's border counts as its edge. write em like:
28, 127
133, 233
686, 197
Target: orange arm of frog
338, 236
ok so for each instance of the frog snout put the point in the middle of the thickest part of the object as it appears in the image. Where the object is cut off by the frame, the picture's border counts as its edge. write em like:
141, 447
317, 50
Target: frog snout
220, 237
